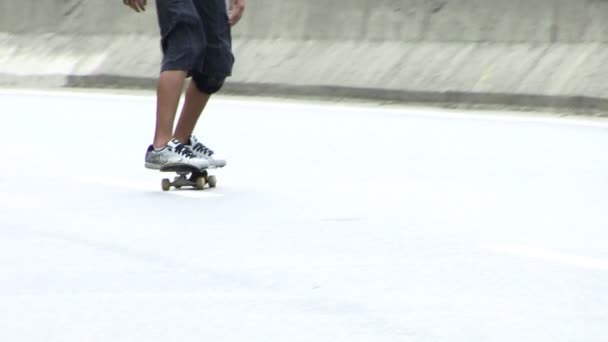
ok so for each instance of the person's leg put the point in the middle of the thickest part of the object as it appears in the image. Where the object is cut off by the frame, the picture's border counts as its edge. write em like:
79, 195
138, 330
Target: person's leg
166, 148
199, 91
194, 105
168, 93
182, 42
216, 59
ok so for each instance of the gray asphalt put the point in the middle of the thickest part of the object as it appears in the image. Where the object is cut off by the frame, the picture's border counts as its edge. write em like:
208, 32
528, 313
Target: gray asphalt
332, 222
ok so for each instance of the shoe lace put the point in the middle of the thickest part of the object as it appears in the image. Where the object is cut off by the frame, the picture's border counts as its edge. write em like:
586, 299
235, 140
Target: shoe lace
185, 151
203, 149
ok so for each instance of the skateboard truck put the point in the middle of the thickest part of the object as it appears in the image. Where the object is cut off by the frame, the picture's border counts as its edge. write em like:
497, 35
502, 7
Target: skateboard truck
187, 176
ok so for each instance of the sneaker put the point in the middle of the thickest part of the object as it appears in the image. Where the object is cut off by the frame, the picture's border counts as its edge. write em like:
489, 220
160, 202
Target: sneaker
202, 151
173, 153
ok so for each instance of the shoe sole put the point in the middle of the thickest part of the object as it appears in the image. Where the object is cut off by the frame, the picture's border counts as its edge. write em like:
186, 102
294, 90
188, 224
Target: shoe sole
153, 166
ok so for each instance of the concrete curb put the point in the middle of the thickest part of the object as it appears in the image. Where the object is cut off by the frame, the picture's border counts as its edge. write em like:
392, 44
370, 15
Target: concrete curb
577, 104
571, 104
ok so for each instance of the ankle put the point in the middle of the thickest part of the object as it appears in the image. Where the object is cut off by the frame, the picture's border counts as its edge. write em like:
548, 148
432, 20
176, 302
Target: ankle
159, 145
160, 142
182, 138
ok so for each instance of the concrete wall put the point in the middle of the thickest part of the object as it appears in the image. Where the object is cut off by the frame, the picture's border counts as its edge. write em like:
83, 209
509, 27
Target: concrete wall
519, 21
521, 52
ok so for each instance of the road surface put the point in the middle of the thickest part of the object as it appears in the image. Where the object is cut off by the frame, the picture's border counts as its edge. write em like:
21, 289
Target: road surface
332, 222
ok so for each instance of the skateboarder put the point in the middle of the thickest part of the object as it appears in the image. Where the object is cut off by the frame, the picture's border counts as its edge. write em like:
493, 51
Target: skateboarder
196, 43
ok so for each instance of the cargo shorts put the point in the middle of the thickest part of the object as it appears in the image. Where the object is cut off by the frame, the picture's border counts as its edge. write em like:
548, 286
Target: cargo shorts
195, 36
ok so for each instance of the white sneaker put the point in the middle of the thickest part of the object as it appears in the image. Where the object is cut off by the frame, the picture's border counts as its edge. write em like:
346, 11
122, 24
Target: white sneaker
173, 153
202, 151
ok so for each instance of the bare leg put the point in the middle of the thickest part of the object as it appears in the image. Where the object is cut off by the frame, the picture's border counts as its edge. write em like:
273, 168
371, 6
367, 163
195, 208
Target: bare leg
168, 93
193, 107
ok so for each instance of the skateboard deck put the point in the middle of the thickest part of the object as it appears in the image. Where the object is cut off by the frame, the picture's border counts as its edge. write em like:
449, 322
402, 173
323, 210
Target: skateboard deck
187, 176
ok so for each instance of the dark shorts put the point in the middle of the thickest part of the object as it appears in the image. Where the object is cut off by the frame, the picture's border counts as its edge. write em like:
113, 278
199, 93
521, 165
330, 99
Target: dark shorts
195, 36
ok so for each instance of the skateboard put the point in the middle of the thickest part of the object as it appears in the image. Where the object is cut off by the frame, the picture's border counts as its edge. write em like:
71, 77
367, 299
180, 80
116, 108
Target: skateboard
187, 175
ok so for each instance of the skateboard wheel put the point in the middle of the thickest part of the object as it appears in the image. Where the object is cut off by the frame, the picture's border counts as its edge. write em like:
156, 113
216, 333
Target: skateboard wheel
200, 183
166, 184
212, 181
